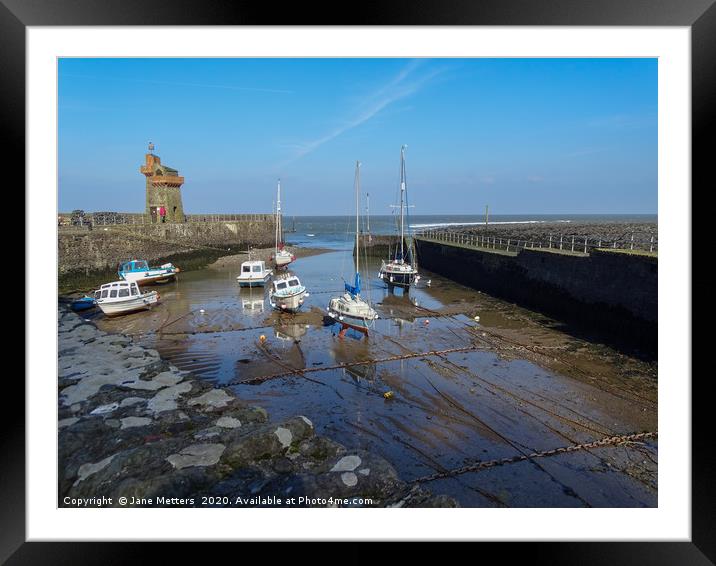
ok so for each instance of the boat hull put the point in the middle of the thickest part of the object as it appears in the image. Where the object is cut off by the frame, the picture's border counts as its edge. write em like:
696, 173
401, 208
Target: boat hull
149, 279
348, 316
83, 304
132, 304
254, 282
398, 275
288, 303
283, 259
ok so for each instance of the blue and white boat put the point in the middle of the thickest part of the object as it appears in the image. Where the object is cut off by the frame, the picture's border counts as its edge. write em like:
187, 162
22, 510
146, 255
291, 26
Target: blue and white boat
350, 310
254, 274
287, 293
138, 270
83, 303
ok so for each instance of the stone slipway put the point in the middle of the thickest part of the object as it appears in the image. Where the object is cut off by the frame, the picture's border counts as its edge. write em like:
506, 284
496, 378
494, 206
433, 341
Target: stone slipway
132, 425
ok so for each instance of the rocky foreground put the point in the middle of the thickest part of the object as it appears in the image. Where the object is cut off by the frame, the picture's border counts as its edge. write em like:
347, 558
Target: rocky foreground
136, 431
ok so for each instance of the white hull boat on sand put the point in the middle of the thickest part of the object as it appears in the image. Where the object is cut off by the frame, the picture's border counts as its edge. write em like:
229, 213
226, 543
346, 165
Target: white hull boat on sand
287, 293
122, 297
254, 274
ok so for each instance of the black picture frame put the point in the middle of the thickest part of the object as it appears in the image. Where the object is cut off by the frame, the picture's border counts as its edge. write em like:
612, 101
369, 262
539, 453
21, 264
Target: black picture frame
699, 15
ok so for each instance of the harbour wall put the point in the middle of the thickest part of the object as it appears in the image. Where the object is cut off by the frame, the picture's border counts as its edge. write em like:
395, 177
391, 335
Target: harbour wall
378, 246
85, 252
613, 294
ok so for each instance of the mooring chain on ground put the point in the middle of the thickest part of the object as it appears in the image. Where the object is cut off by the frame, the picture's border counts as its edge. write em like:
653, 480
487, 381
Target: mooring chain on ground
264, 378
535, 350
478, 466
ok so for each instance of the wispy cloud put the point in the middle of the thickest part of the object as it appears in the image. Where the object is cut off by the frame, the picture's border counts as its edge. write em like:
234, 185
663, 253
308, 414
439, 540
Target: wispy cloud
175, 83
404, 84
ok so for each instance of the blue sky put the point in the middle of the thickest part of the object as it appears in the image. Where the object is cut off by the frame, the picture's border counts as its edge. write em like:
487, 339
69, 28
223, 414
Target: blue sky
534, 136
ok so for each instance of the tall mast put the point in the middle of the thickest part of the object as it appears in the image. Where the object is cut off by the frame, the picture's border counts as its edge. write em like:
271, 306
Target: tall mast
279, 234
367, 212
357, 188
402, 192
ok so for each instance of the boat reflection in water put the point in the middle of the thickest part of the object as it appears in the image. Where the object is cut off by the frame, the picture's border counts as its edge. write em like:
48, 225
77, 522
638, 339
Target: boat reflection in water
352, 351
253, 300
400, 308
290, 332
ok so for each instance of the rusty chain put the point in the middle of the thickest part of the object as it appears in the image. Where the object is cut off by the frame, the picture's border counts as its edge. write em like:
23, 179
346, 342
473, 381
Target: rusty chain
478, 466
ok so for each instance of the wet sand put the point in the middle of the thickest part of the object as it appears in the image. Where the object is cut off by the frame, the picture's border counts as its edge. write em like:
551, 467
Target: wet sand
518, 383
263, 254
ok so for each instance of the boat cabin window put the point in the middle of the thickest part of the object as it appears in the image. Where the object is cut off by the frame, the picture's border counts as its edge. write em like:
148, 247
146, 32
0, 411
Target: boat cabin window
113, 293
246, 269
134, 289
124, 292
293, 283
104, 293
257, 269
281, 285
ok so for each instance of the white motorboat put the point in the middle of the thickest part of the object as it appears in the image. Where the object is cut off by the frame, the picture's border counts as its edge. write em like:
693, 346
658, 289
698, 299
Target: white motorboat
287, 293
400, 270
138, 270
350, 309
281, 256
254, 274
121, 297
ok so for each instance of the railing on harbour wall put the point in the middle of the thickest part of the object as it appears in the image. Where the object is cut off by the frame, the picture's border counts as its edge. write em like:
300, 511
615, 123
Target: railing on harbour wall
79, 220
560, 242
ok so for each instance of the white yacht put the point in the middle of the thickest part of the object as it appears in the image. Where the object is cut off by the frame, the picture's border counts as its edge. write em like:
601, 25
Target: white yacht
400, 270
350, 309
281, 256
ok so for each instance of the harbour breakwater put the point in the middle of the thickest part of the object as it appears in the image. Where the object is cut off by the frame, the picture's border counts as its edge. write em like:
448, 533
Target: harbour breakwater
135, 431
379, 246
89, 255
612, 294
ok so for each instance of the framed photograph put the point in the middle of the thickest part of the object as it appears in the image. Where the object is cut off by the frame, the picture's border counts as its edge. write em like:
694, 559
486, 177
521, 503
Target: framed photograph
289, 279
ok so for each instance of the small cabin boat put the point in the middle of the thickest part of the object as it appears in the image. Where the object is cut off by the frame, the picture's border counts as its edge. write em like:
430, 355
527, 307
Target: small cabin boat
254, 274
138, 270
121, 297
287, 293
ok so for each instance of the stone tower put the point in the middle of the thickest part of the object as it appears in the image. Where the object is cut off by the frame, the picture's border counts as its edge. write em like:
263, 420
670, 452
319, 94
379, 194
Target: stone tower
163, 189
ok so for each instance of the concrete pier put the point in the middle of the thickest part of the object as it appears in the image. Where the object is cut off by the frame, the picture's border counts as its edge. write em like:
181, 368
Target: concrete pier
612, 293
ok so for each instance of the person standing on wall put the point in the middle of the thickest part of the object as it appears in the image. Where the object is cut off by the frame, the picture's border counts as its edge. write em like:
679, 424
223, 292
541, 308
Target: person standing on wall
163, 214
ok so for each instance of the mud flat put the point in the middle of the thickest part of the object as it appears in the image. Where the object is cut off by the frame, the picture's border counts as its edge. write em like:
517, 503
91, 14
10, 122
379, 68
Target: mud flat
263, 254
133, 426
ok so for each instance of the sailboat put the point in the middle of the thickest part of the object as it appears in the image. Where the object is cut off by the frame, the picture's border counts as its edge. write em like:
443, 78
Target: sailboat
400, 271
350, 310
281, 255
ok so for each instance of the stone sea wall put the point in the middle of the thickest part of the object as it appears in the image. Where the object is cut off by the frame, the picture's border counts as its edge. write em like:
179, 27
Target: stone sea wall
610, 292
105, 247
133, 426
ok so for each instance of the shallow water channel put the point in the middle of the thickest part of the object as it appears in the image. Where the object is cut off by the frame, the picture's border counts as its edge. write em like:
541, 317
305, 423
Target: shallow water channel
491, 399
